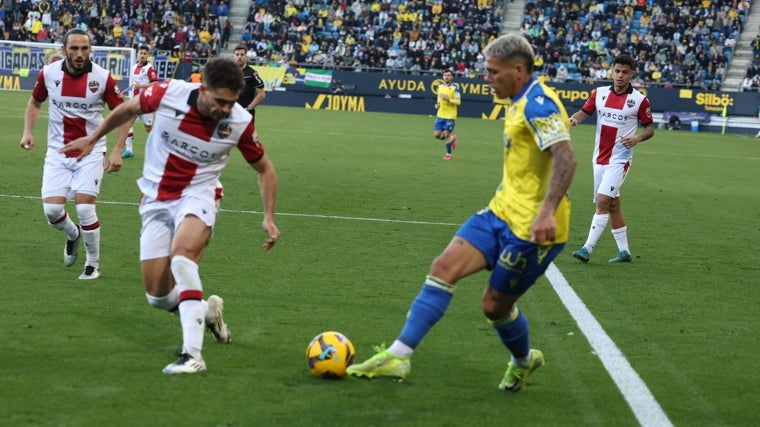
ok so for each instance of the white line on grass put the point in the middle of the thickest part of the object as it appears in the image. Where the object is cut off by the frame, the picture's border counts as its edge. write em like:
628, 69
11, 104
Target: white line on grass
646, 409
350, 218
639, 398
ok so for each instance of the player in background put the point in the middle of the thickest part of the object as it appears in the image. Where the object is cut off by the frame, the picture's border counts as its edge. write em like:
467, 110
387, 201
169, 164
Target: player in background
516, 236
619, 110
448, 101
78, 91
144, 75
253, 93
196, 127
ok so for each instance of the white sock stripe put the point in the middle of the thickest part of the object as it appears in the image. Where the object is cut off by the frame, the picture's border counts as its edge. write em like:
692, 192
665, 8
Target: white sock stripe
438, 283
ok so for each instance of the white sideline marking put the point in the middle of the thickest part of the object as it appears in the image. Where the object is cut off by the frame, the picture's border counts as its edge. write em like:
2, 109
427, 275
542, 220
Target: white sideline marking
350, 218
643, 404
639, 398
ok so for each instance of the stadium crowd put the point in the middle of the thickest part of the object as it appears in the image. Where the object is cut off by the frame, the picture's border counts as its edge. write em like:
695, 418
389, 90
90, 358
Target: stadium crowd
194, 28
685, 43
676, 43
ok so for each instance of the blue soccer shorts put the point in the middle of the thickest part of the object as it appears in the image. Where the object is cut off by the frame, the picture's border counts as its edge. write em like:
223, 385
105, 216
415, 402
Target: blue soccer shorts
515, 263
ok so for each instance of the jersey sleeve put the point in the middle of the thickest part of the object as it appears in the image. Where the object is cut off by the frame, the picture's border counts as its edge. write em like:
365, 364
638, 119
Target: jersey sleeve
113, 95
457, 98
645, 112
40, 92
590, 106
152, 74
547, 121
151, 97
258, 83
250, 145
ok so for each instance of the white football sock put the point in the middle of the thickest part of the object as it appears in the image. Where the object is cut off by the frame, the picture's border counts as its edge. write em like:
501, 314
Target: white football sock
90, 232
621, 238
598, 224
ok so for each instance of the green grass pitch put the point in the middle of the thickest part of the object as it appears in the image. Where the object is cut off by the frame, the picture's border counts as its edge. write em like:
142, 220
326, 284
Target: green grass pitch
365, 203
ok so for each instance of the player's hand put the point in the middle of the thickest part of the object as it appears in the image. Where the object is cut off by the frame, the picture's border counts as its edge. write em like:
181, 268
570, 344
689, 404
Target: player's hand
273, 234
573, 121
113, 162
26, 143
629, 141
544, 229
82, 144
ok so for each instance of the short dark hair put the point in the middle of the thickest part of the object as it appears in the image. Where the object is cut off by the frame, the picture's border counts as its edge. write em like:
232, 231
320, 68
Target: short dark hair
625, 59
223, 73
448, 70
75, 31
240, 46
144, 47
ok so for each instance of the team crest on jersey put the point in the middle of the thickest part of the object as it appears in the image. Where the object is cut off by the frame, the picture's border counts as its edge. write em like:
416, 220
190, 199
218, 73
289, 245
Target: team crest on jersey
94, 86
224, 130
630, 103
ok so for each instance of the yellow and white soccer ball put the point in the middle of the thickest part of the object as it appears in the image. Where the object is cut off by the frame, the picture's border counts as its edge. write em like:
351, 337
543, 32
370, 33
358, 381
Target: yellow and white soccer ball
329, 354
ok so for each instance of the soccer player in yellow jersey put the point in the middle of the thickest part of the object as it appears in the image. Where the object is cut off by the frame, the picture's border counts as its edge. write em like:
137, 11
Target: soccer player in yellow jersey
449, 98
519, 233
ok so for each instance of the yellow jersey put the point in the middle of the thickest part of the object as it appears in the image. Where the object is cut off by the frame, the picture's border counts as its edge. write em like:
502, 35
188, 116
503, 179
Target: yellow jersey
533, 122
448, 109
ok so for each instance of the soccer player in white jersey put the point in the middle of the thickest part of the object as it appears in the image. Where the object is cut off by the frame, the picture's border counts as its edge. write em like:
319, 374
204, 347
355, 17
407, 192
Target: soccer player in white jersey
144, 75
620, 109
78, 91
196, 127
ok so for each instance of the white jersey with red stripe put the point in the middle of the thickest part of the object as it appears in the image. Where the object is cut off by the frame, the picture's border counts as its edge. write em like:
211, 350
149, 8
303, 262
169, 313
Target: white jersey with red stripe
618, 115
185, 153
76, 102
143, 74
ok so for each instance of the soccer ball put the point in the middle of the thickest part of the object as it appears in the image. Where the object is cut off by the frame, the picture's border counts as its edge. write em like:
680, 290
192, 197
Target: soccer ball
329, 354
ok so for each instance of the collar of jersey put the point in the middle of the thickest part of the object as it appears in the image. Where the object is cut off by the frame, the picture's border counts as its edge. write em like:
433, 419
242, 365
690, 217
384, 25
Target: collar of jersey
87, 67
525, 88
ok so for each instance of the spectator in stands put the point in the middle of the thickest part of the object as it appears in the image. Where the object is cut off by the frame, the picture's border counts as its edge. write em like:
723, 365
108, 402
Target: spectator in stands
226, 33
223, 12
562, 74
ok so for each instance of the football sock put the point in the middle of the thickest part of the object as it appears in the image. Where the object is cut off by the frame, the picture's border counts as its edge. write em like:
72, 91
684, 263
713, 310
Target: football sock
58, 218
598, 224
88, 219
167, 302
515, 334
426, 310
448, 146
191, 315
191, 311
621, 238
130, 139
400, 349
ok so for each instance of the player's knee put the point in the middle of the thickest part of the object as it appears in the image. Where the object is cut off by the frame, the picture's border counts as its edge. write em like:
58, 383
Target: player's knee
185, 270
87, 215
603, 203
495, 305
54, 212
